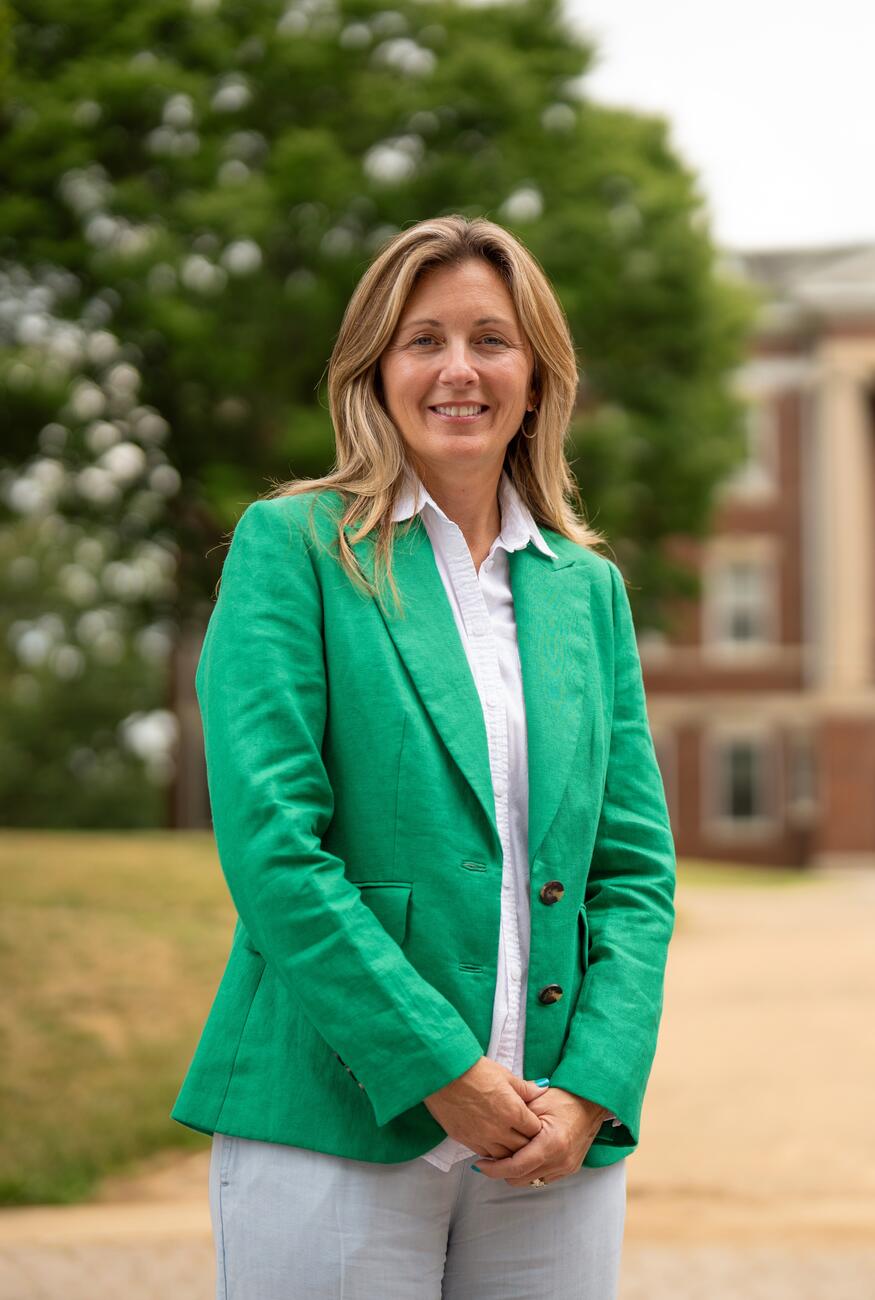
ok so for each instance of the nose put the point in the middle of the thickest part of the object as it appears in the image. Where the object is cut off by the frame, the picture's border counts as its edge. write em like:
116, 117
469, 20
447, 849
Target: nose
457, 367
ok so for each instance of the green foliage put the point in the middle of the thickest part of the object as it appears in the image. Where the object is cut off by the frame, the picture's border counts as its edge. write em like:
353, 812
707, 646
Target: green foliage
84, 657
213, 178
208, 124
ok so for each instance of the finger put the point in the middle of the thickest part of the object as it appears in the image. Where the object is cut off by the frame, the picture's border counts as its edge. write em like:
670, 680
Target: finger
527, 1123
514, 1142
524, 1137
533, 1155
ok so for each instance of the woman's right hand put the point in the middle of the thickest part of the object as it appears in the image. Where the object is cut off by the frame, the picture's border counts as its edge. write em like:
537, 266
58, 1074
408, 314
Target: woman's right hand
486, 1109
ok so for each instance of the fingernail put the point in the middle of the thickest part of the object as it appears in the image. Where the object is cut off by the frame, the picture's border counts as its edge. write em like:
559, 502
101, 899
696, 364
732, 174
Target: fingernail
480, 1171
541, 1082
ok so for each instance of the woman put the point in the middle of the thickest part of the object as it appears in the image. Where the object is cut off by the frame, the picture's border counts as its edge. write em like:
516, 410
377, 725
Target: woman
441, 821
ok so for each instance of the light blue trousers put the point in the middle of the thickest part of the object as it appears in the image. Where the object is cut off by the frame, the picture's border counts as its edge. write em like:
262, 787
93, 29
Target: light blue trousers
292, 1224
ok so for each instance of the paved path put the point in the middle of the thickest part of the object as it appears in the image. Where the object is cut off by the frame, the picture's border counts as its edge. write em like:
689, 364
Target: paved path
755, 1179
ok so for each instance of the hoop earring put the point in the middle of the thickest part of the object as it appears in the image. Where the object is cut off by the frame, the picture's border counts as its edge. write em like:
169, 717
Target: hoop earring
528, 435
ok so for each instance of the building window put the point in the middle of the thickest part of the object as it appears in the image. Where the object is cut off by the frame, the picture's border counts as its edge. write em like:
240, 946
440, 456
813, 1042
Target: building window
740, 784
741, 780
740, 604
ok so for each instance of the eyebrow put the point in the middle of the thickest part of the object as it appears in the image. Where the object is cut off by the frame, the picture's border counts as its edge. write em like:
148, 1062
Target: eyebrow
481, 320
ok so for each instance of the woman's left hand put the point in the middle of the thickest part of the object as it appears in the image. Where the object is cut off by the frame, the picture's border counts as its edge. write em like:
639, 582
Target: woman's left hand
568, 1125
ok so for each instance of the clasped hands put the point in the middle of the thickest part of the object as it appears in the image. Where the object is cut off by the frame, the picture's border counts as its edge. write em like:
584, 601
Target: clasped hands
520, 1131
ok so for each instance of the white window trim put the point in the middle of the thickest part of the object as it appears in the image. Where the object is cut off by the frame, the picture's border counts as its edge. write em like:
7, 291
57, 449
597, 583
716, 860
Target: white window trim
719, 554
721, 825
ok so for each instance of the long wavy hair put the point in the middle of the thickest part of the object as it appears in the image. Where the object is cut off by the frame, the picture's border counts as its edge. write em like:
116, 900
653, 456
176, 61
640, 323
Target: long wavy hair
370, 458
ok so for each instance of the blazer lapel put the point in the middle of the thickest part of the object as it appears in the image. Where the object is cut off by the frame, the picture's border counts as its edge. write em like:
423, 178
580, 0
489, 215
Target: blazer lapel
551, 605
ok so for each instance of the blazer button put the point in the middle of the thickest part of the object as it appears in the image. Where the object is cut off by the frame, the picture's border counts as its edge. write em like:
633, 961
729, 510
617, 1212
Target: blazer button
550, 993
551, 892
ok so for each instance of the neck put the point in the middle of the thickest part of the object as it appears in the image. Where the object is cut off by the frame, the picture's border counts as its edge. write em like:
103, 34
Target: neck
468, 497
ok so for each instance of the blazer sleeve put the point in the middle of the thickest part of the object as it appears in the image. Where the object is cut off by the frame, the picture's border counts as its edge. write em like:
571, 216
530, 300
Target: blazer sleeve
629, 906
262, 691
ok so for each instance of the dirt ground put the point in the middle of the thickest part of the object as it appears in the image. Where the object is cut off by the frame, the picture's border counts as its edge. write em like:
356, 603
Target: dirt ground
755, 1175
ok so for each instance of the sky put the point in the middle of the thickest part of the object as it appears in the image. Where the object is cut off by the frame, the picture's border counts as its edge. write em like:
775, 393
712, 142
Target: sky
771, 103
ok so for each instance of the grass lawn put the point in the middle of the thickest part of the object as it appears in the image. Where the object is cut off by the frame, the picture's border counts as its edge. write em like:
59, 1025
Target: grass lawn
111, 947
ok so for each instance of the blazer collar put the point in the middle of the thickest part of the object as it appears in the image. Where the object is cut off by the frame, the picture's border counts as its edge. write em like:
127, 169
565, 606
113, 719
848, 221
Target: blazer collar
551, 605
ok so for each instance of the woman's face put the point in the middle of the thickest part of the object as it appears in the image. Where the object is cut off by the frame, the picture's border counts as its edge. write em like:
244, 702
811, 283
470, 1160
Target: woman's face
458, 345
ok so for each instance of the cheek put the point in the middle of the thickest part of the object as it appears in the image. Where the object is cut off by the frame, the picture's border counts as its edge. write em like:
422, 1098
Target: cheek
405, 385
512, 374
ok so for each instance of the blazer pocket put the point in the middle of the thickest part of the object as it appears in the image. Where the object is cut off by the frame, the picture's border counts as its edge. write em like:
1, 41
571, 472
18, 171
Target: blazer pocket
389, 900
584, 937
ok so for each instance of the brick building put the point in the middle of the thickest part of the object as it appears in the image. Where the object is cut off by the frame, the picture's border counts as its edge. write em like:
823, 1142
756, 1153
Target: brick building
762, 696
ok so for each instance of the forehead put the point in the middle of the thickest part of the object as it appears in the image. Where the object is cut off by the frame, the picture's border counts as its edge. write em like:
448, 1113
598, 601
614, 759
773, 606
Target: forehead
446, 293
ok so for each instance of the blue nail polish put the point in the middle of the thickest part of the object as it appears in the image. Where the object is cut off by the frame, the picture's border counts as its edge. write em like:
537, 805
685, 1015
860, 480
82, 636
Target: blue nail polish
542, 1082
480, 1171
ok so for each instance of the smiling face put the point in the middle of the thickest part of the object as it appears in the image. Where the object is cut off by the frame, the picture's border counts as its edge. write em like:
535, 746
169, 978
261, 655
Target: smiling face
457, 372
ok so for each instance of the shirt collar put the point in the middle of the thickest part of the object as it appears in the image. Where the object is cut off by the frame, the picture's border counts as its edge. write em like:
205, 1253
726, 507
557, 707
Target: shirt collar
518, 527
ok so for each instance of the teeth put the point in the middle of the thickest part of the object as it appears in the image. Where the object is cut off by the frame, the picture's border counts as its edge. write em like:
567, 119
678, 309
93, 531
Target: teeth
459, 410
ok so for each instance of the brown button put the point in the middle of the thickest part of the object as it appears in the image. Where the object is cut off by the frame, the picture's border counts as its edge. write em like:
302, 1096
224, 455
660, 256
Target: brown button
550, 993
551, 892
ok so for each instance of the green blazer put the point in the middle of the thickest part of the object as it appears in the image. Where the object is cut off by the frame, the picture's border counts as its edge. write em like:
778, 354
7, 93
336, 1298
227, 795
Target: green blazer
352, 806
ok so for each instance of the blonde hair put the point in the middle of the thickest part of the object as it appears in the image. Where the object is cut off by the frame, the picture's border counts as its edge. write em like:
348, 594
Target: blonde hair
370, 453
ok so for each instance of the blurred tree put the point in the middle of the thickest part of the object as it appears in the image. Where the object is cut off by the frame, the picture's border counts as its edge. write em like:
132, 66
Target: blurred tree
213, 179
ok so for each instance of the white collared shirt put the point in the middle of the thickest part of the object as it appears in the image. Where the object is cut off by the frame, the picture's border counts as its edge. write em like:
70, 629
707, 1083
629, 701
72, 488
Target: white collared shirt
482, 605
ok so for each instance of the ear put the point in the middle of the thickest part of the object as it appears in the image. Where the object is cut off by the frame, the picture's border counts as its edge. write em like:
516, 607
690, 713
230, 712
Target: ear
535, 387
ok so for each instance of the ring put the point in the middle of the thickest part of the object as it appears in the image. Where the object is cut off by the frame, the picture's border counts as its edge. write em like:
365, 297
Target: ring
537, 1182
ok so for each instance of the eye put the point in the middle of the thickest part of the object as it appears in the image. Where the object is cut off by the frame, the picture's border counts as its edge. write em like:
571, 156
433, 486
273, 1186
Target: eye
429, 338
